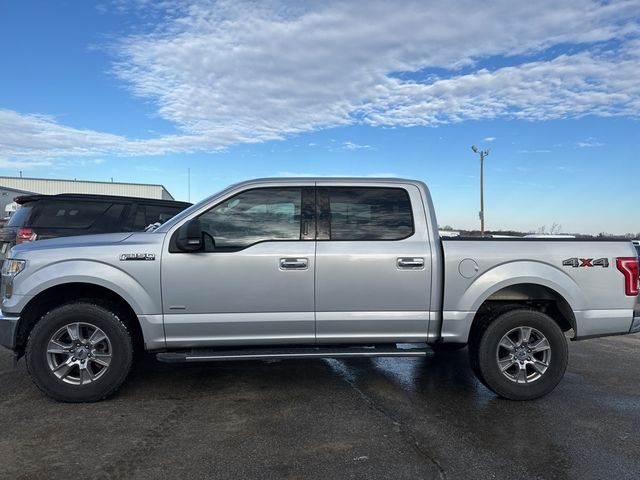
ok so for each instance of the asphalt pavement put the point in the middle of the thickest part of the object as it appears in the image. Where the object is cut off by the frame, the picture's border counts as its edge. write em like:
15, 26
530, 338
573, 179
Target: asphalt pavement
325, 419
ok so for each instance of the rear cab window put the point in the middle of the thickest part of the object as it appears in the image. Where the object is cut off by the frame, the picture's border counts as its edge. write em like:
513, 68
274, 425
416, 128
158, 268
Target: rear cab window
368, 213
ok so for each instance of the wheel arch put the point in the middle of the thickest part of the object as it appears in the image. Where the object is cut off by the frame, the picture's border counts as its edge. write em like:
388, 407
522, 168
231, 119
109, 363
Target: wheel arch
527, 296
64, 293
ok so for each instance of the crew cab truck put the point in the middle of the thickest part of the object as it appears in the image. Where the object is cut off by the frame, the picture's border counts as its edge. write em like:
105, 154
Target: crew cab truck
307, 268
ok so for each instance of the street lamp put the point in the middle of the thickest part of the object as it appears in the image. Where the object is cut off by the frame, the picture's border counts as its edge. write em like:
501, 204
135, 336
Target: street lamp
483, 154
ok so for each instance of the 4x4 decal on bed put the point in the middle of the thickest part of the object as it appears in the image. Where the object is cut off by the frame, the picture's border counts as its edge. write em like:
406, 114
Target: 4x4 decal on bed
586, 262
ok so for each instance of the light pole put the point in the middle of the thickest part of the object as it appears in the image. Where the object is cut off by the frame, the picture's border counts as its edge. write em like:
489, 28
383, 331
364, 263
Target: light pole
483, 154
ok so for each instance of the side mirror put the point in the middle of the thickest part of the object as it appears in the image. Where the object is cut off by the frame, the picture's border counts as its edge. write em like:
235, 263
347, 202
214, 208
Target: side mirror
190, 237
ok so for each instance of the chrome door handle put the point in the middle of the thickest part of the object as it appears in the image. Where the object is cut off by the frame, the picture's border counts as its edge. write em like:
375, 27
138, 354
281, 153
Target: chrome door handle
294, 263
411, 263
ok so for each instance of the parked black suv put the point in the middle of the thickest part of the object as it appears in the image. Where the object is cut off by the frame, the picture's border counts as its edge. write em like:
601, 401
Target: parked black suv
49, 216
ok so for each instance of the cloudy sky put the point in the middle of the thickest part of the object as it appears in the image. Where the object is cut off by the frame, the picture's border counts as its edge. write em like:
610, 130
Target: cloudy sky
144, 90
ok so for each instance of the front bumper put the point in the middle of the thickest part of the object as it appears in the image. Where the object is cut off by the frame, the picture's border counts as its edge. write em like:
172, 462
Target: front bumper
8, 329
635, 325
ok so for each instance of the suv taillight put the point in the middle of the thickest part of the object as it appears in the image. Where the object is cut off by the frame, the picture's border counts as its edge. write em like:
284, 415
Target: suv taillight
630, 269
25, 235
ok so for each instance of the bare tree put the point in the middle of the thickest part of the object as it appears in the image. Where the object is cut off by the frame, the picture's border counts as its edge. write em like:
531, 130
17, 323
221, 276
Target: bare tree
555, 229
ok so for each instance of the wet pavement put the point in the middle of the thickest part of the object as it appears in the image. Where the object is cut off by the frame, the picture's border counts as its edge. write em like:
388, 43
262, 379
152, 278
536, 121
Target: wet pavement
355, 418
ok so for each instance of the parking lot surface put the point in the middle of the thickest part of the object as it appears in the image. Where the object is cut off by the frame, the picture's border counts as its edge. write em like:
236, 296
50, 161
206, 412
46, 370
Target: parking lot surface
356, 418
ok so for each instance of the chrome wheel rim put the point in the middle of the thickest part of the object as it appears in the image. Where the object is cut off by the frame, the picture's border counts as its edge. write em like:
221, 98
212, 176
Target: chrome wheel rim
523, 355
79, 353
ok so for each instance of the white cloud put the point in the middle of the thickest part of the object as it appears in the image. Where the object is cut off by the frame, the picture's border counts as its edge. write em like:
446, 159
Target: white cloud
28, 141
489, 139
231, 72
354, 146
590, 143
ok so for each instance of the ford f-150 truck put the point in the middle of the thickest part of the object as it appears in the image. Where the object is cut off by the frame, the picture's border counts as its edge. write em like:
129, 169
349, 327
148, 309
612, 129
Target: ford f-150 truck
308, 268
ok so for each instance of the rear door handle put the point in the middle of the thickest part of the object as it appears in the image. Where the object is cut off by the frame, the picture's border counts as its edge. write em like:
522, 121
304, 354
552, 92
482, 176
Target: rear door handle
411, 263
294, 263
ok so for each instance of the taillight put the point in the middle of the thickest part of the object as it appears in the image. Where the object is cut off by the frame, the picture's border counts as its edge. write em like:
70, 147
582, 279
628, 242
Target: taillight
630, 269
25, 235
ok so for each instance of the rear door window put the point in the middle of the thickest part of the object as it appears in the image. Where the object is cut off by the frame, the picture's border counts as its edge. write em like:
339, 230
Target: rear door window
369, 213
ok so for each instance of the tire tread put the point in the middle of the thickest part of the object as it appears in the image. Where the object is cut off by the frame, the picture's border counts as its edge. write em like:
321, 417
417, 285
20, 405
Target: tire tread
41, 325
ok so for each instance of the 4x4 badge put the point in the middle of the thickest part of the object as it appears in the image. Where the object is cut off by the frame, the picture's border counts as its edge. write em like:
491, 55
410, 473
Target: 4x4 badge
137, 256
585, 262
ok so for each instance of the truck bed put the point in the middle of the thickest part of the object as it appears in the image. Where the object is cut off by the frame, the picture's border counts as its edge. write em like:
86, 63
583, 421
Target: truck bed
582, 273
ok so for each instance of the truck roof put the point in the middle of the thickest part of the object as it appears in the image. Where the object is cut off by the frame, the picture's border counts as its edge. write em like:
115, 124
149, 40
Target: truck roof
330, 179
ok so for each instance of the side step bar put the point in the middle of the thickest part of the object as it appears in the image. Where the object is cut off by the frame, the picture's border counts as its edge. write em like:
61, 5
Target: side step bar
212, 355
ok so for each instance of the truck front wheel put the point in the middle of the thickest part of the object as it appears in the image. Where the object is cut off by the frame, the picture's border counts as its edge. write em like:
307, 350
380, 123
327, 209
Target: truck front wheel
79, 352
521, 355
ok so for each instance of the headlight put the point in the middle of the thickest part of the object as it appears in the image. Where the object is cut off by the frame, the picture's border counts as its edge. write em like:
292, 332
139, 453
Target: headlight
12, 267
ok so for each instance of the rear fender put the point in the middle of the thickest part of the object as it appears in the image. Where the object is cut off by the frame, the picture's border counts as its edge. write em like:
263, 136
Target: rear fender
515, 273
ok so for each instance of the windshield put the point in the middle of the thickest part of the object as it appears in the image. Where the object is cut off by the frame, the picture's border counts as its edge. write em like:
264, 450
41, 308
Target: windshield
19, 218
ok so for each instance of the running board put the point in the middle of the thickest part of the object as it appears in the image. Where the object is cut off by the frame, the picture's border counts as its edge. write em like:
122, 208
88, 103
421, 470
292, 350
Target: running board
211, 355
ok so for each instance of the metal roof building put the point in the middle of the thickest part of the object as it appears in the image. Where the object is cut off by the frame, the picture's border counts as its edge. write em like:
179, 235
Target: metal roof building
51, 186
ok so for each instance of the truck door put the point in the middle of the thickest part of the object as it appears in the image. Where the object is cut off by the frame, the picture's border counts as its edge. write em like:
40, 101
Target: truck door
373, 264
253, 283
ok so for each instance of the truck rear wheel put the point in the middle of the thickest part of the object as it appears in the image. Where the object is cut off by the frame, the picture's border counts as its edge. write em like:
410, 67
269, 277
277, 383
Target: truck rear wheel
79, 352
521, 355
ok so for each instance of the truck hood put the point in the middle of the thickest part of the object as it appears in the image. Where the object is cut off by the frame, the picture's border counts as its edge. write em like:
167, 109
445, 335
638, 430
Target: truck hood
71, 242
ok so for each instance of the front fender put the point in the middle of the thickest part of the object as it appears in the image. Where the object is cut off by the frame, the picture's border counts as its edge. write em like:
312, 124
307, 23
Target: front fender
142, 296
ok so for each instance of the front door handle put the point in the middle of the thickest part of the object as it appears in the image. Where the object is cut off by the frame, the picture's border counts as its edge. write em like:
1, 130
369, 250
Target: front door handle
294, 263
411, 263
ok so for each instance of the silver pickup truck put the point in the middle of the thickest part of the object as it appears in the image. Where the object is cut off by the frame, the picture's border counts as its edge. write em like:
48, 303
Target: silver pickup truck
308, 268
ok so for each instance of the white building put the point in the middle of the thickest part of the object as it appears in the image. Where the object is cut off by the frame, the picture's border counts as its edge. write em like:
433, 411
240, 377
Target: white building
11, 187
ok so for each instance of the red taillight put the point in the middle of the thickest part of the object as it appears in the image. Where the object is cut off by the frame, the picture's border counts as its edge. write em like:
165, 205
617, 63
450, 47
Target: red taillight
630, 269
25, 235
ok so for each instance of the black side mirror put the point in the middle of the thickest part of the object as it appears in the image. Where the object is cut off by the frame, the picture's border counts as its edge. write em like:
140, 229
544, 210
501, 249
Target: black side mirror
190, 237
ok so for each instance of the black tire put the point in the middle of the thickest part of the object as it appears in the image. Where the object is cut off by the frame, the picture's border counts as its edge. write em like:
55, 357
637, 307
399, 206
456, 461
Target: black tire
447, 347
484, 351
475, 336
85, 312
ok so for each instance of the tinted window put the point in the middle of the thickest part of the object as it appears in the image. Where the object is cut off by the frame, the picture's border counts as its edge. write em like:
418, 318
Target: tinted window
19, 218
150, 214
362, 213
112, 219
254, 216
70, 214
638, 249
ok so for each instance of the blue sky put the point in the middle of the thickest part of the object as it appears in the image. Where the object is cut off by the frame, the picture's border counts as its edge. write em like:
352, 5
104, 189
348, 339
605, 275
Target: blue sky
141, 91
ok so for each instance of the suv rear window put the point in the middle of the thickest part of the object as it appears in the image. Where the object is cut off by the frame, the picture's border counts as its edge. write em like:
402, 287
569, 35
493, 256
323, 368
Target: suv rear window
78, 215
19, 218
370, 213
